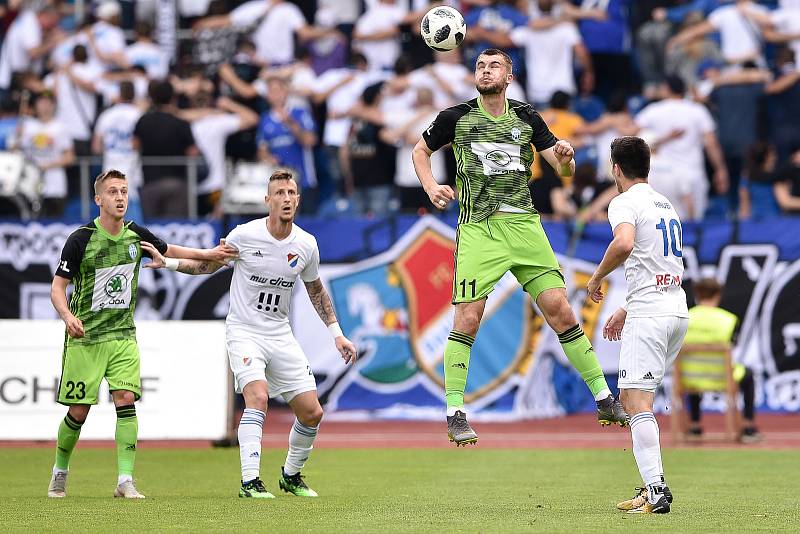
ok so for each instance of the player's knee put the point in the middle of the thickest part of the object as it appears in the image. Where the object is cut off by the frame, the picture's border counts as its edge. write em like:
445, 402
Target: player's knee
123, 398
79, 412
311, 417
257, 400
468, 324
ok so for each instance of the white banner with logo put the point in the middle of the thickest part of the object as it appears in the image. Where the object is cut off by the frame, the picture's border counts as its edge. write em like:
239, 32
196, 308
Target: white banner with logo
184, 382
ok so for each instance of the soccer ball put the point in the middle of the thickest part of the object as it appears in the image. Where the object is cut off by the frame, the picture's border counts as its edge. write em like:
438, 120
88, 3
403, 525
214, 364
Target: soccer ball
443, 28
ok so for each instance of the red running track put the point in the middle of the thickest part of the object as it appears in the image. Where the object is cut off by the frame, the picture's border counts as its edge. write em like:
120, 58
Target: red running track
575, 431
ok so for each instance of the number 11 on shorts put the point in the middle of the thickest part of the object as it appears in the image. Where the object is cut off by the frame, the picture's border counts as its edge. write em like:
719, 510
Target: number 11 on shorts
472, 285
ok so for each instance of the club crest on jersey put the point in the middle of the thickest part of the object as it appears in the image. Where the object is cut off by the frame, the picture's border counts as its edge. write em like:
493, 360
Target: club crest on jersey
132, 251
515, 133
292, 259
246, 360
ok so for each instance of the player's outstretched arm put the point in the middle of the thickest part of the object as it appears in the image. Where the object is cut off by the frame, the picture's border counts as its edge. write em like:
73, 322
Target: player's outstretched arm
222, 253
158, 261
617, 252
322, 303
440, 195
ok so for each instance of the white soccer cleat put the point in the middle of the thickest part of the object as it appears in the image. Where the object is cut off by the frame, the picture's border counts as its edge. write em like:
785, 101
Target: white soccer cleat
58, 485
128, 491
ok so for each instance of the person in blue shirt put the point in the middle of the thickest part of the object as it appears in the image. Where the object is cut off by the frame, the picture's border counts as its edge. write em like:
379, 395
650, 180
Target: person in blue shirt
489, 27
285, 137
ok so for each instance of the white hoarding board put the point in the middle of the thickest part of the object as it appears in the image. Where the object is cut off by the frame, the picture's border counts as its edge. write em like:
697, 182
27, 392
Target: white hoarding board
184, 382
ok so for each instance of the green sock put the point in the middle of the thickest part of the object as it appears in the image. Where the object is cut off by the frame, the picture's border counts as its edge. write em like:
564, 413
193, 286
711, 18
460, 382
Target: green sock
456, 365
125, 436
581, 355
68, 433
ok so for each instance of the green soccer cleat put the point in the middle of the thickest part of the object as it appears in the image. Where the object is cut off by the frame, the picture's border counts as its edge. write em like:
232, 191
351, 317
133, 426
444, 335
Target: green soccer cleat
459, 431
610, 411
296, 485
255, 489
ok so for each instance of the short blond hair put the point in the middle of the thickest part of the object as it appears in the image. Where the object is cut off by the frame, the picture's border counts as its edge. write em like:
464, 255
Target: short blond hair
107, 175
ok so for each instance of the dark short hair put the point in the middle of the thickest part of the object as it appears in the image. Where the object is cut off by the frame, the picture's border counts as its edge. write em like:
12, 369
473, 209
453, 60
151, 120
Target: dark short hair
676, 85
107, 175
79, 53
560, 100
706, 288
161, 92
143, 28
282, 174
632, 155
126, 91
498, 52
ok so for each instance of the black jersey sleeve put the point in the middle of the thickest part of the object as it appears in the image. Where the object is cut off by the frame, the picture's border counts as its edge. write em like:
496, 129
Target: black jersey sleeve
72, 253
541, 137
443, 128
151, 238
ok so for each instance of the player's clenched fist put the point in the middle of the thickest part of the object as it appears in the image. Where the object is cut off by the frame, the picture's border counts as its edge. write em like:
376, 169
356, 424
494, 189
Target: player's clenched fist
347, 349
563, 151
440, 195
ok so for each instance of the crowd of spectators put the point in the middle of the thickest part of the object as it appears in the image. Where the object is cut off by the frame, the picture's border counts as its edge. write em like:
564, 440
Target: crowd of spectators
340, 90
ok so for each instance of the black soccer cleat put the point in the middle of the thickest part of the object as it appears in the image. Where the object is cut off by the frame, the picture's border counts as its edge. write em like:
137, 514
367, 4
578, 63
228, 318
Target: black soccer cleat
459, 431
610, 411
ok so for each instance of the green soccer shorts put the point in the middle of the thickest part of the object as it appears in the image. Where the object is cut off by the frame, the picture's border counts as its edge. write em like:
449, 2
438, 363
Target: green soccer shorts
84, 366
514, 242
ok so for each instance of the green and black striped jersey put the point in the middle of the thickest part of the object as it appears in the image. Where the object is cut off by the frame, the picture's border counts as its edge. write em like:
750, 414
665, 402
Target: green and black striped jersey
493, 154
105, 272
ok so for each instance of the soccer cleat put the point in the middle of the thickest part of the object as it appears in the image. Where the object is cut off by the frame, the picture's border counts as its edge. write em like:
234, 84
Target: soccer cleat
58, 485
639, 502
296, 485
661, 506
128, 491
255, 489
459, 431
750, 434
610, 411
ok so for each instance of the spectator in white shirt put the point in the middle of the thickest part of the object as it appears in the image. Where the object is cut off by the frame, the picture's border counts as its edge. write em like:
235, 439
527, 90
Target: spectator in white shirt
276, 24
377, 34
106, 38
113, 138
146, 53
447, 78
45, 141
29, 38
678, 130
740, 36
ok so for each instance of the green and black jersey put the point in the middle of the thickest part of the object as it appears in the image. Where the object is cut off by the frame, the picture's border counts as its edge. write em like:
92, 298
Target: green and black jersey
493, 154
105, 272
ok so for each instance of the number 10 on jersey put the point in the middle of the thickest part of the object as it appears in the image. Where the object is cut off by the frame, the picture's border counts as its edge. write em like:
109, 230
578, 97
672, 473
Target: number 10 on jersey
674, 241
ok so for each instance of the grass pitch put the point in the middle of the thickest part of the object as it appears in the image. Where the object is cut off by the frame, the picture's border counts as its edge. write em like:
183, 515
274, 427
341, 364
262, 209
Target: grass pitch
389, 490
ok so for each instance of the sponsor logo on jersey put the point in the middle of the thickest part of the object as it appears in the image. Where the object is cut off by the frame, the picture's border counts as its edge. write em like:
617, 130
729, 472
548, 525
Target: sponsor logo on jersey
663, 205
292, 259
257, 253
668, 280
498, 157
116, 285
132, 251
515, 133
275, 282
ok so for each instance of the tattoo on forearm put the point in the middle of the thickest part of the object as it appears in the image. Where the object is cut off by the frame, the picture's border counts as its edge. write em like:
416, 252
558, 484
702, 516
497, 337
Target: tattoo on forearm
195, 267
321, 301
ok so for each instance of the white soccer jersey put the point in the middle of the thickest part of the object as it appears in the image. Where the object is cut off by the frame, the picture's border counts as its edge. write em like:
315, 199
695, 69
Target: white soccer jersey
264, 276
654, 270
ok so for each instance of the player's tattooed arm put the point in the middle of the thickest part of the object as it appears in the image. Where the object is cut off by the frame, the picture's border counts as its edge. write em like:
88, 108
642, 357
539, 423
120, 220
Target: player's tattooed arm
158, 261
321, 301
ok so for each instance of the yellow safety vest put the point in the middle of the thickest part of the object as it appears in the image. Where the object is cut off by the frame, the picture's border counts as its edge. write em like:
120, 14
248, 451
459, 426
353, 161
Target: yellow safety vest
706, 371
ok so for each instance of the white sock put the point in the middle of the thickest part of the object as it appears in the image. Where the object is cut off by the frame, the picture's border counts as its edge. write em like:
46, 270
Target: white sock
602, 394
123, 478
646, 449
301, 441
250, 431
56, 470
451, 410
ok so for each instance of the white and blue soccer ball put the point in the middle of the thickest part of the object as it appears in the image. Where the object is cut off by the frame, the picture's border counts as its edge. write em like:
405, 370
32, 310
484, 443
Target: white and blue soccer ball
443, 28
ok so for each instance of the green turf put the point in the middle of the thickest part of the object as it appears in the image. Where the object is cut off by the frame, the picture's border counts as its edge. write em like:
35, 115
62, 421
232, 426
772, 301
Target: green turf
472, 490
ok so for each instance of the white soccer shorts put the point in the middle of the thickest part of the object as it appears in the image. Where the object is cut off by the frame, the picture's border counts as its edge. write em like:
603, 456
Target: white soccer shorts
650, 346
280, 362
